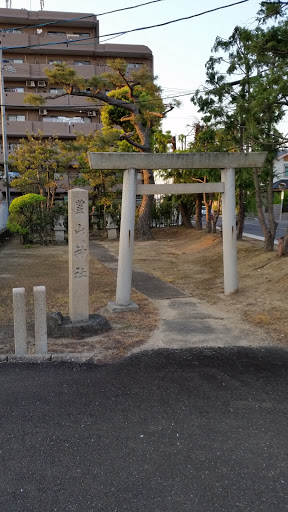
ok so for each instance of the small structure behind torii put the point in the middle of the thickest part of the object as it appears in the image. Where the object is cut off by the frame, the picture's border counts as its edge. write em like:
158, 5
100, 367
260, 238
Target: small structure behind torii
131, 162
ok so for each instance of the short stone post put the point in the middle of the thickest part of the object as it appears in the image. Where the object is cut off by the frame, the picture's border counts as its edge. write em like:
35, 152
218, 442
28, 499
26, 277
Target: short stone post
19, 311
78, 234
126, 243
40, 319
229, 232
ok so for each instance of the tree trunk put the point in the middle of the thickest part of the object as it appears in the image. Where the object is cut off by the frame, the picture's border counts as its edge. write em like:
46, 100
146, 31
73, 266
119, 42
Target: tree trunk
198, 213
208, 204
241, 214
216, 214
186, 219
268, 232
143, 223
285, 244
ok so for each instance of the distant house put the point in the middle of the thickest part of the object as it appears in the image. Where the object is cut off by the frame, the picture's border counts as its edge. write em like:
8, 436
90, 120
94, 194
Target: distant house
281, 166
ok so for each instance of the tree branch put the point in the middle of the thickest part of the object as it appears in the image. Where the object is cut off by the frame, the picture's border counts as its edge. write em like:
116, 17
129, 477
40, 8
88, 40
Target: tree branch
143, 147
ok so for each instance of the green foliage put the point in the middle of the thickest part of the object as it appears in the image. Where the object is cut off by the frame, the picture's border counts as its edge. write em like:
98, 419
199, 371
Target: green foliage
66, 76
104, 184
164, 210
25, 215
29, 217
133, 101
34, 99
37, 159
277, 197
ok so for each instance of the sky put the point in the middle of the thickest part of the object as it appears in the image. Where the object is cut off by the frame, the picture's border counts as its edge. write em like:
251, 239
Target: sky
180, 49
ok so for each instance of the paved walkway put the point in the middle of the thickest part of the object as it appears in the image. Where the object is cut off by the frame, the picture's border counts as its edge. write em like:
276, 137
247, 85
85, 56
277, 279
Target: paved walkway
184, 321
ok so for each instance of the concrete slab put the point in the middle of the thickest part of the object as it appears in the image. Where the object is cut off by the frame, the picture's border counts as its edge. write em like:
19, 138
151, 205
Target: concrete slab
190, 323
116, 308
151, 286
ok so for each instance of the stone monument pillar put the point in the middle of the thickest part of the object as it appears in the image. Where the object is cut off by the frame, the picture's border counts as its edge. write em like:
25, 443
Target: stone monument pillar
59, 230
78, 233
111, 227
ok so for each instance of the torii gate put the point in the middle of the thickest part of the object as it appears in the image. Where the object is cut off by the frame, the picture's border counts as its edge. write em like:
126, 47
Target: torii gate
131, 162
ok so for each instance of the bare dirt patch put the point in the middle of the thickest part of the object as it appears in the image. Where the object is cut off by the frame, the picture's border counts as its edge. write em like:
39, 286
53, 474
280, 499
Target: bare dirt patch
192, 261
48, 266
188, 259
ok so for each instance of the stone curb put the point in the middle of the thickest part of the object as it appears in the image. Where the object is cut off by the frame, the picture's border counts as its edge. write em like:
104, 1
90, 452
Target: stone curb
85, 357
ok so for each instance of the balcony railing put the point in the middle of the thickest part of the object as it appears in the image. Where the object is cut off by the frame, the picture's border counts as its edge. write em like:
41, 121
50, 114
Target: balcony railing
63, 130
42, 43
16, 99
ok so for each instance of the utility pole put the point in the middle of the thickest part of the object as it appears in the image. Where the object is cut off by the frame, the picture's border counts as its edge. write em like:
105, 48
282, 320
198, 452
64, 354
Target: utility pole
4, 133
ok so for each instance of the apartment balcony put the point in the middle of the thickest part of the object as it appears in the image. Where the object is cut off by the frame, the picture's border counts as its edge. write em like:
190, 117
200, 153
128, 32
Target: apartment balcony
17, 72
68, 102
24, 17
10, 40
49, 129
44, 44
26, 71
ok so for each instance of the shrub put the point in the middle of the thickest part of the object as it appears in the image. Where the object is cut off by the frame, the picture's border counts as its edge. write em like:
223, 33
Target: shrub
29, 217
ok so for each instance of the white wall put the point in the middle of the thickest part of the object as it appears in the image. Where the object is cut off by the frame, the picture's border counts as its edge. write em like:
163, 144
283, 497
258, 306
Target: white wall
279, 168
3, 215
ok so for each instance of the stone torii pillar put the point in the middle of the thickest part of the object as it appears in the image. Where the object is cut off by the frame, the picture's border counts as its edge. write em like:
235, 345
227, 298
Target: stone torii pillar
229, 232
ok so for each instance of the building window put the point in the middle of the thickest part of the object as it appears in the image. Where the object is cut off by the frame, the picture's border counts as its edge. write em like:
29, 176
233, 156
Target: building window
15, 31
52, 33
14, 61
81, 63
63, 119
132, 65
13, 145
80, 34
16, 117
55, 61
14, 89
56, 90
286, 169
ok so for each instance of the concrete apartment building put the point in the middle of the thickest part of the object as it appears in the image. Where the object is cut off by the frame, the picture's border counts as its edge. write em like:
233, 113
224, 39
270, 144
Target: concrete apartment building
28, 49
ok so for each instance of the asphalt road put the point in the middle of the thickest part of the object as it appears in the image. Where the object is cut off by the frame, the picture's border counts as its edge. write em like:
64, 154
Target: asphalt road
252, 227
198, 430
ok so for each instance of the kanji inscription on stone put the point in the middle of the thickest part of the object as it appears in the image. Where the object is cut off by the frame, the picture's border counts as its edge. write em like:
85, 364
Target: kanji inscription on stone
78, 232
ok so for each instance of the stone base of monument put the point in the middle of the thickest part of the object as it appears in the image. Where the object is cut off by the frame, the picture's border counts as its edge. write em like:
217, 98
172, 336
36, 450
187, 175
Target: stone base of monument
59, 326
116, 308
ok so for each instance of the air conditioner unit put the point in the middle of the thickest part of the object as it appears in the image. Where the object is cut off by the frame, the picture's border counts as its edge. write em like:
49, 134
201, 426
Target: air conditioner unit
73, 35
42, 111
92, 113
41, 83
30, 83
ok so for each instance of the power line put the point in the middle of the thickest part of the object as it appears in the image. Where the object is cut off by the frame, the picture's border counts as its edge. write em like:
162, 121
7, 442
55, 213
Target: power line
127, 31
80, 17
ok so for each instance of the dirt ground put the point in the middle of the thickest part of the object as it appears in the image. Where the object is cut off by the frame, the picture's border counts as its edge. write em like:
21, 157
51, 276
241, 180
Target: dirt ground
48, 266
190, 260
